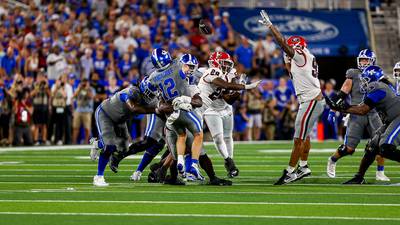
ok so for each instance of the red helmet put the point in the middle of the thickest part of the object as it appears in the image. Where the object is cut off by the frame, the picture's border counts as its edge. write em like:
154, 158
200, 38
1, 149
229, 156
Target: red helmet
297, 42
222, 61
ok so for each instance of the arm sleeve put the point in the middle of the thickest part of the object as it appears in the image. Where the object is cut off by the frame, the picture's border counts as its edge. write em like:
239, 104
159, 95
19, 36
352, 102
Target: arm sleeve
350, 74
300, 58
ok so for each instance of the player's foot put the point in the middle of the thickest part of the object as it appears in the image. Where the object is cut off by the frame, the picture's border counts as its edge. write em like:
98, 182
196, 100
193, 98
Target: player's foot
94, 150
136, 176
302, 171
357, 179
59, 142
99, 181
286, 177
37, 143
380, 176
115, 159
152, 178
189, 177
195, 171
331, 168
155, 166
47, 143
219, 182
231, 168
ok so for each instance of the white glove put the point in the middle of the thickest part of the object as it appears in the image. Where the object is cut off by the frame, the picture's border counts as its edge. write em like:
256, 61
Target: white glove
182, 102
243, 78
265, 19
186, 99
252, 85
186, 106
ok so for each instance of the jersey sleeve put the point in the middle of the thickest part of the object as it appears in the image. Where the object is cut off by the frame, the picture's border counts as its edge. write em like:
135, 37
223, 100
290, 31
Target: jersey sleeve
350, 74
194, 90
374, 95
300, 57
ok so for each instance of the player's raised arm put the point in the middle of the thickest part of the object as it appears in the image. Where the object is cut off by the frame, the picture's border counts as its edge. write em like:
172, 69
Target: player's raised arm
219, 82
276, 33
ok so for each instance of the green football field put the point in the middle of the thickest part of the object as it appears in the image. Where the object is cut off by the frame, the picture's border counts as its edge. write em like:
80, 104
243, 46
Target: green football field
55, 187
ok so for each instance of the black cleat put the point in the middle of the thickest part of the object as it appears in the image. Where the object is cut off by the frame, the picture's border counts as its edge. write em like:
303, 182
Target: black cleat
220, 182
231, 168
151, 178
357, 179
115, 159
174, 181
286, 178
155, 166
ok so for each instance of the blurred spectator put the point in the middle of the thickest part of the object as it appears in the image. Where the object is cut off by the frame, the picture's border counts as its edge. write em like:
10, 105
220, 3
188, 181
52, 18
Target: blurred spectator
277, 65
330, 127
240, 122
124, 66
83, 113
112, 86
101, 64
5, 114
283, 94
41, 101
32, 64
8, 63
56, 64
100, 95
124, 40
244, 54
287, 118
87, 64
270, 113
255, 106
23, 112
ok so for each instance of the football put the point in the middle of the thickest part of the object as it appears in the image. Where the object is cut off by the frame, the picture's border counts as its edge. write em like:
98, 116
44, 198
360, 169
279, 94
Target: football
205, 27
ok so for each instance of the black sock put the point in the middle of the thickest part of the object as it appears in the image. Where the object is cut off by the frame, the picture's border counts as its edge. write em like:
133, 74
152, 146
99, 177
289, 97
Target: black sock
366, 161
207, 166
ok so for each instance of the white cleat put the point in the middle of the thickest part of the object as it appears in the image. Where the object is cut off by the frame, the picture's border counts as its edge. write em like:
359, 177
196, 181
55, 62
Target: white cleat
380, 176
136, 176
331, 168
94, 150
99, 181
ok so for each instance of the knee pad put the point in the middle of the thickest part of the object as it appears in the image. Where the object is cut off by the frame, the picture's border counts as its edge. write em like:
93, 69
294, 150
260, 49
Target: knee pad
343, 150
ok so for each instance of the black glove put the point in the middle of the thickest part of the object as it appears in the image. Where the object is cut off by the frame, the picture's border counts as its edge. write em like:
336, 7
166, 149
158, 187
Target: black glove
340, 106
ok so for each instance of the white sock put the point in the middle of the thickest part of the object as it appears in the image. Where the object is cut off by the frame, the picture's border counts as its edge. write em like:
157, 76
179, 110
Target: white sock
290, 169
303, 163
220, 145
229, 145
181, 160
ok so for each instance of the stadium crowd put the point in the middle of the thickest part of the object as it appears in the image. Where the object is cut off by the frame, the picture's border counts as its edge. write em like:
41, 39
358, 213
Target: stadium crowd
60, 60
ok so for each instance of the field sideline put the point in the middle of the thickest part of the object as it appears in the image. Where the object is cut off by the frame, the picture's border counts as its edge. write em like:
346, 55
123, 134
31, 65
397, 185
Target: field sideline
47, 186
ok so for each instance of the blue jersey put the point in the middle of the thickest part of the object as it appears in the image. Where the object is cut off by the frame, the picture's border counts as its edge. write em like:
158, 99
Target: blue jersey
283, 97
124, 67
100, 66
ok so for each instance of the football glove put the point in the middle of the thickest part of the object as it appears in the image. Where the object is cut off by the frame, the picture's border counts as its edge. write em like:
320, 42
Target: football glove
340, 106
265, 19
252, 85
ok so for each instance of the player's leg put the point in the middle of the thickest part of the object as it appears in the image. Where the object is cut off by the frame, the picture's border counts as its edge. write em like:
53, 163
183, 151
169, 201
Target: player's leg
354, 133
307, 116
227, 122
107, 137
195, 126
374, 123
214, 124
122, 142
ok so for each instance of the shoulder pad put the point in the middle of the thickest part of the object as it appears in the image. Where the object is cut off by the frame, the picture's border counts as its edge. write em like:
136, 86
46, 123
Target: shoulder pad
353, 73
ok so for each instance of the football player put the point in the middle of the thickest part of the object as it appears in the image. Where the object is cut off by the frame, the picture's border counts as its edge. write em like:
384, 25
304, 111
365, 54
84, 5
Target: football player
111, 117
380, 95
303, 69
357, 123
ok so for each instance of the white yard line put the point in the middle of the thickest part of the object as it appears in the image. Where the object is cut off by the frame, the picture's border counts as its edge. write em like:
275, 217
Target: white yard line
204, 216
204, 202
205, 192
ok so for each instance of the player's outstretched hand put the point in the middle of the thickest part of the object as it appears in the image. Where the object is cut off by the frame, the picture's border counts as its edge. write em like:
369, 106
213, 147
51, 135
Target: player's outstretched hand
337, 106
252, 85
265, 19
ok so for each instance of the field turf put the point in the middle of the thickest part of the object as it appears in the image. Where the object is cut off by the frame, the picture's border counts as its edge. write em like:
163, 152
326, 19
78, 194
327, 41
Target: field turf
55, 187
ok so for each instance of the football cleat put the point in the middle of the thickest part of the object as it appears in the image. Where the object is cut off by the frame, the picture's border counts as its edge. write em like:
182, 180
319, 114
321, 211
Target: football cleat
231, 168
94, 150
302, 171
189, 177
99, 181
152, 177
174, 181
380, 176
115, 159
286, 178
331, 168
220, 182
195, 171
357, 179
136, 176
181, 168
155, 166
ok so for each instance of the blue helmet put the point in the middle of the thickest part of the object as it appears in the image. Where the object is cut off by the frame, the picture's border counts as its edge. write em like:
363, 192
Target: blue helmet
369, 75
366, 54
191, 61
160, 58
148, 91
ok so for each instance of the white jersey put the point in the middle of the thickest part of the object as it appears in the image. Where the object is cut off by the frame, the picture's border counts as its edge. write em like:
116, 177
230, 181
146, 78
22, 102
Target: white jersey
208, 91
304, 73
